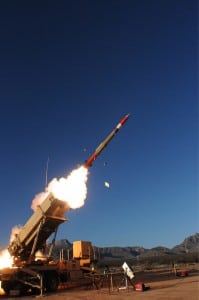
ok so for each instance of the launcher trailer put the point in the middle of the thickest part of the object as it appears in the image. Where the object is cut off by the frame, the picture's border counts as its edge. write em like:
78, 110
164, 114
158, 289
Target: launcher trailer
34, 268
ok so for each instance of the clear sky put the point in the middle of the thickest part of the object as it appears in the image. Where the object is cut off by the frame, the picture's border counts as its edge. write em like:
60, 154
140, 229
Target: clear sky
69, 71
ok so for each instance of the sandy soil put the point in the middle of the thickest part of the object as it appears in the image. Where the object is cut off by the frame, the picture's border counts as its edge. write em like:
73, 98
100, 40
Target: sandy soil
167, 287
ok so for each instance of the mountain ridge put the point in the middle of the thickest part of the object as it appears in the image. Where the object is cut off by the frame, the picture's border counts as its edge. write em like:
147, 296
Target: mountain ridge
189, 245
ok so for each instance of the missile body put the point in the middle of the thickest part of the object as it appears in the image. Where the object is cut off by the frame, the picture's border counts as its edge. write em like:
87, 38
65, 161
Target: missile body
104, 143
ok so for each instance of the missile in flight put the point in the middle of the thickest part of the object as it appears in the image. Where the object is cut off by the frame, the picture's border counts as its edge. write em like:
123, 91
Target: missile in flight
104, 143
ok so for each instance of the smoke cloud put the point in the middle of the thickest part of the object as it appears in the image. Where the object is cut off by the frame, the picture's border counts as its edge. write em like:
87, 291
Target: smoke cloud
72, 189
15, 230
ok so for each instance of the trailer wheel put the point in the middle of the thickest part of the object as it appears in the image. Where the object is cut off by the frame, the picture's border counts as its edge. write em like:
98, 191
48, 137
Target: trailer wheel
51, 281
22, 288
14, 285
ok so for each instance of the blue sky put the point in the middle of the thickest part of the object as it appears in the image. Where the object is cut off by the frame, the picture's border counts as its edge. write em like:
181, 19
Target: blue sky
69, 71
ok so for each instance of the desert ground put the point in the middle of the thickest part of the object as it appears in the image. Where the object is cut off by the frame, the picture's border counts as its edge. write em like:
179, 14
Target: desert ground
160, 285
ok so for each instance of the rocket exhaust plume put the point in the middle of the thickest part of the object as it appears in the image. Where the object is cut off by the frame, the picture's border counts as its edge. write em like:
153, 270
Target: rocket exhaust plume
72, 189
6, 260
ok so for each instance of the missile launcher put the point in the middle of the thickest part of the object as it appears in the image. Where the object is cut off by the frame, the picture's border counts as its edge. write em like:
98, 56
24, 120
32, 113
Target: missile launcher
44, 222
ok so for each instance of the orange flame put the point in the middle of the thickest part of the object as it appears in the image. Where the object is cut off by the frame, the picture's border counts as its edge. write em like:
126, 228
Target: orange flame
6, 261
1, 290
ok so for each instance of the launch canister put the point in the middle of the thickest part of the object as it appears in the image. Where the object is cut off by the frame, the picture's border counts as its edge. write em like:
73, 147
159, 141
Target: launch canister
100, 148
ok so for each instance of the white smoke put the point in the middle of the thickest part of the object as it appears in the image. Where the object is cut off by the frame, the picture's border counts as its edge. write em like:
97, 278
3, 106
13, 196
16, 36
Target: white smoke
39, 198
15, 230
72, 189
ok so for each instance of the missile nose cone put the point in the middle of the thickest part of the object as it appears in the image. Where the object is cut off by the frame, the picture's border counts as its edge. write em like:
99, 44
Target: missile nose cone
127, 116
124, 119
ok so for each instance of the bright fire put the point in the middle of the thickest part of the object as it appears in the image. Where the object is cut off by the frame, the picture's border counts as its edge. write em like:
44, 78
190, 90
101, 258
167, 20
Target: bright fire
71, 189
6, 261
1, 290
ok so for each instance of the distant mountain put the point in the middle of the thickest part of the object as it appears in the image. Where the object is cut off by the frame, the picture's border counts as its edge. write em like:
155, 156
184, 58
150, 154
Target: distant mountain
113, 253
120, 252
157, 251
63, 244
189, 245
